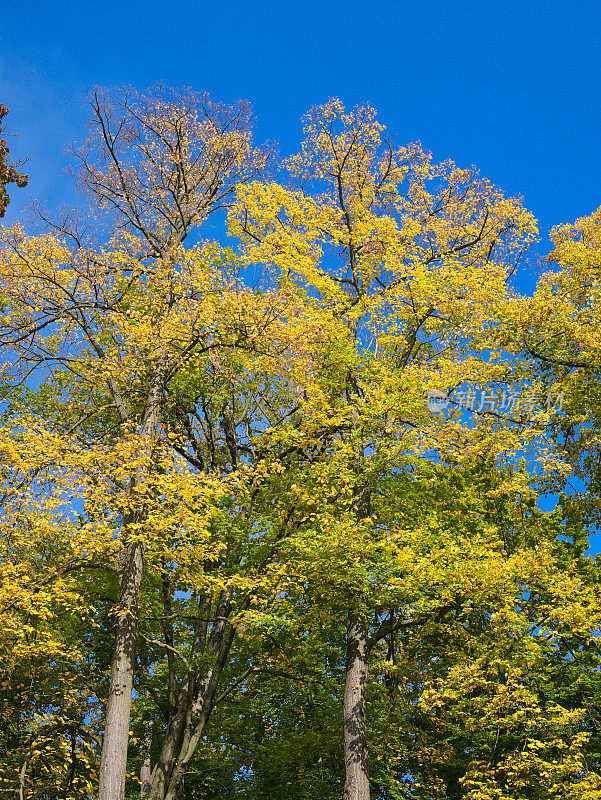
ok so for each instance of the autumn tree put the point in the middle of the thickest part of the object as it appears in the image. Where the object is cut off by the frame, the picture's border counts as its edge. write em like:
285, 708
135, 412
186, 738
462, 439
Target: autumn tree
483, 704
48, 733
153, 446
555, 333
114, 327
410, 255
9, 172
486, 699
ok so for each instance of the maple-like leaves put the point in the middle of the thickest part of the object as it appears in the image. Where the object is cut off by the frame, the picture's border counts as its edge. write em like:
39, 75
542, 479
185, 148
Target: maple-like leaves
266, 453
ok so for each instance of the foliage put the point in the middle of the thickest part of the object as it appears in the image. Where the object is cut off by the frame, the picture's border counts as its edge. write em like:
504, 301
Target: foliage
229, 495
8, 172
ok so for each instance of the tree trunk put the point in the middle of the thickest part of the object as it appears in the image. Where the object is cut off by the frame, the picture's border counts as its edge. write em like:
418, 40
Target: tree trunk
186, 729
354, 721
113, 760
171, 743
172, 767
190, 743
356, 756
145, 769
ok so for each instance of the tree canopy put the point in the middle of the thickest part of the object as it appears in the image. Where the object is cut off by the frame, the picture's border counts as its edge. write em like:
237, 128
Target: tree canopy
270, 511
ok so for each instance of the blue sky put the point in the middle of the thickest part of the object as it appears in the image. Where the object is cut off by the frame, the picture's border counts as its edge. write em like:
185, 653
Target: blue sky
511, 87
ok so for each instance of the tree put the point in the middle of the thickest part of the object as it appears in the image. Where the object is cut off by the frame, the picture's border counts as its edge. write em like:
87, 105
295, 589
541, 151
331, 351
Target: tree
115, 327
48, 734
555, 333
411, 256
160, 374
498, 697
488, 703
8, 171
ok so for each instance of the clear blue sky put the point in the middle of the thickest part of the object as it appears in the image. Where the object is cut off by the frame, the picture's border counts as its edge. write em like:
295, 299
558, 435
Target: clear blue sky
513, 87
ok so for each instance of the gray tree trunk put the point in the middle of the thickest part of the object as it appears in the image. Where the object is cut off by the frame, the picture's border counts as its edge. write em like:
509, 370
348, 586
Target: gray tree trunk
113, 759
193, 708
354, 720
356, 755
145, 769
171, 743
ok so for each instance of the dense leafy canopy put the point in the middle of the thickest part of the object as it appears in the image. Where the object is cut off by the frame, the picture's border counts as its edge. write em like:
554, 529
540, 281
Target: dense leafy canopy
240, 555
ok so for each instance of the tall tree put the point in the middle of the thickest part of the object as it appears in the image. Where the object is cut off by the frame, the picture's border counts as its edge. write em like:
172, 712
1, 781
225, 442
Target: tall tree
114, 327
500, 696
555, 331
411, 256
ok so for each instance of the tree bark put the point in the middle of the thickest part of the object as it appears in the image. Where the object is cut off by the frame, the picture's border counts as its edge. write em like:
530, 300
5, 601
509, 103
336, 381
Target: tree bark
194, 705
113, 759
145, 769
354, 721
171, 743
189, 723
356, 755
